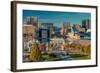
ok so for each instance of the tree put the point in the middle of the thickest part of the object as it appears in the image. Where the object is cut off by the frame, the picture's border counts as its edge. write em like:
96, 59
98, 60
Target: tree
35, 54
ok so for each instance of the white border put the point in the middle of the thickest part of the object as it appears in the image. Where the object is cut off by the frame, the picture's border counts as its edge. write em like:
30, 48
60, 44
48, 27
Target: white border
21, 65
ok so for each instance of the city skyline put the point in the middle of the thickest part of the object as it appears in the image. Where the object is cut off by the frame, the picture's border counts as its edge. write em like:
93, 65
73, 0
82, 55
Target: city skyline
55, 39
57, 18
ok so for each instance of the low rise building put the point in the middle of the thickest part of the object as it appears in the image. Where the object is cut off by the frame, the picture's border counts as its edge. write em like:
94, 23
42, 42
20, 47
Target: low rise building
73, 36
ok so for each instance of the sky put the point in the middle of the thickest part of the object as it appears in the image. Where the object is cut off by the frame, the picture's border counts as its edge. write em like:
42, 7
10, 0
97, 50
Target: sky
58, 18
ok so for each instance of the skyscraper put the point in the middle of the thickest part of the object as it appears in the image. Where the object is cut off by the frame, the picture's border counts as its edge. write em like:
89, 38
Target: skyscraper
76, 27
62, 31
32, 20
67, 26
86, 24
49, 26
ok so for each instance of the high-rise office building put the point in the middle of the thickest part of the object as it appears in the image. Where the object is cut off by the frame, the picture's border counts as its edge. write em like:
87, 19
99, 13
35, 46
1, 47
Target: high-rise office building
67, 26
48, 26
86, 24
76, 27
32, 20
